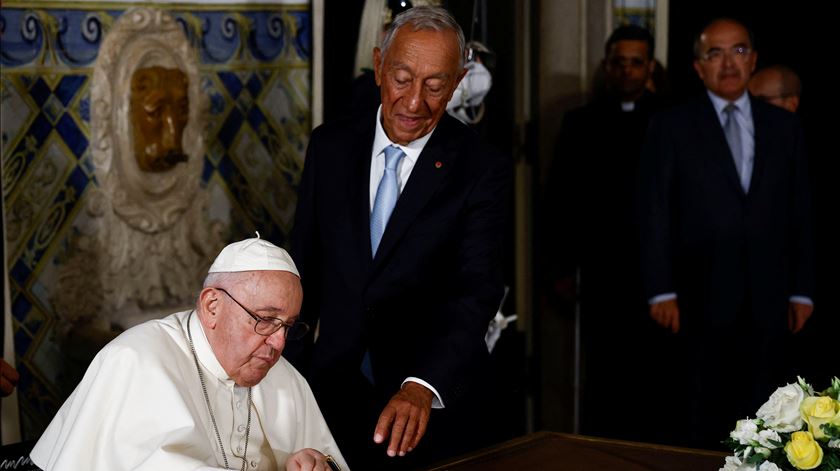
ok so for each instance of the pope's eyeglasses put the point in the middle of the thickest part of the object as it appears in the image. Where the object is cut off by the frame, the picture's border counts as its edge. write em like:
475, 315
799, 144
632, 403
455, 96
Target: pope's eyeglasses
268, 325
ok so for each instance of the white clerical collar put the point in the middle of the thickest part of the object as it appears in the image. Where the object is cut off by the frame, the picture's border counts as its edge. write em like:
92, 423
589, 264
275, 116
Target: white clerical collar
381, 141
203, 350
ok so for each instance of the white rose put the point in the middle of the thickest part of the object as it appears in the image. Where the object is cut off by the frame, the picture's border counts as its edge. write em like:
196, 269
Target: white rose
765, 436
769, 466
781, 411
746, 432
834, 443
734, 464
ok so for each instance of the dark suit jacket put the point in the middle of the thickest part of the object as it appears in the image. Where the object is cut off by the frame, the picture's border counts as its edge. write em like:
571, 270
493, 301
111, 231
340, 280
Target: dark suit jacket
423, 304
726, 253
591, 214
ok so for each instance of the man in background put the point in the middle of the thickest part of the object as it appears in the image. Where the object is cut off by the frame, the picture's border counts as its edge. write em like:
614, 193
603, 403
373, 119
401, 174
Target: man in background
591, 226
726, 238
778, 85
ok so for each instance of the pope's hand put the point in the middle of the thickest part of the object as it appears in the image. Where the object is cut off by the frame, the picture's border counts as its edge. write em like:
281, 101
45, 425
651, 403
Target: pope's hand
307, 460
404, 419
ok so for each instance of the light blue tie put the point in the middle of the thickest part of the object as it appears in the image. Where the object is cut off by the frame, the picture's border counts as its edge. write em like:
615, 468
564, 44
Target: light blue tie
732, 130
386, 197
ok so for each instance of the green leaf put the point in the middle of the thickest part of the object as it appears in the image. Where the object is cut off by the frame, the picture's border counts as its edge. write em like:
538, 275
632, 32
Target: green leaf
831, 431
805, 386
831, 461
834, 390
732, 444
757, 458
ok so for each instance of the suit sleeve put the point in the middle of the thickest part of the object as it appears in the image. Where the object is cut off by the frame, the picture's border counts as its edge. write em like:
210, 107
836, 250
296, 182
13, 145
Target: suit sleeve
803, 283
656, 180
473, 298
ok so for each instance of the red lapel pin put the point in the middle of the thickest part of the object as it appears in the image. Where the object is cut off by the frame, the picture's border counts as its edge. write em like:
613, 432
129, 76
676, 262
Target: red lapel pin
438, 164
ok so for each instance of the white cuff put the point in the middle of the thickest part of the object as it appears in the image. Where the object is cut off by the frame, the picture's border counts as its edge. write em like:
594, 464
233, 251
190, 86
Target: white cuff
802, 300
437, 402
662, 297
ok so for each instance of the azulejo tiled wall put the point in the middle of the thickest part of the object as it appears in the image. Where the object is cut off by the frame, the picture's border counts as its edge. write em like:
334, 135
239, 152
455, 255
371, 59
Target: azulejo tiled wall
255, 69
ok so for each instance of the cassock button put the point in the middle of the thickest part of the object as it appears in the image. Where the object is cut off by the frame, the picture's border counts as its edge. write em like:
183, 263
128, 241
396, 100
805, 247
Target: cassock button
238, 404
241, 428
253, 464
239, 449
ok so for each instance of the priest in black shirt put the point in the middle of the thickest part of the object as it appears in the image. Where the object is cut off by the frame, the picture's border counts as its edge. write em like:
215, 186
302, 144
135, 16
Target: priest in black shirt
590, 224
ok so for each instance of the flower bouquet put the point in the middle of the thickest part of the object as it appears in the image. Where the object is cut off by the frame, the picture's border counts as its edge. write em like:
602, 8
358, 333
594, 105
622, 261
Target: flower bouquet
795, 429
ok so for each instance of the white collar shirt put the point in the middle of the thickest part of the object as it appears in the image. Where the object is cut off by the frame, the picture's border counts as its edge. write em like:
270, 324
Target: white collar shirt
377, 163
744, 116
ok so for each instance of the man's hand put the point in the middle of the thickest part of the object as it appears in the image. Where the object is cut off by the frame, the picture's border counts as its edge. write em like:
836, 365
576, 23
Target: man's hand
404, 419
8, 378
564, 288
798, 314
307, 460
666, 314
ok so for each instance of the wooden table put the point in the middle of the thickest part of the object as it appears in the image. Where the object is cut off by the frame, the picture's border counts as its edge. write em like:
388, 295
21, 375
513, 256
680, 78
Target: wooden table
559, 451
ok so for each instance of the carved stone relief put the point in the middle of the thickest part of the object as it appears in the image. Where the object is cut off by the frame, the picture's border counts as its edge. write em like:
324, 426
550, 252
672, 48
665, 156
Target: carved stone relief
144, 242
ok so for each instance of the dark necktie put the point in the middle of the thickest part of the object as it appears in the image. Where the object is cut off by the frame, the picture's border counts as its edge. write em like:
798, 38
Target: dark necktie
732, 130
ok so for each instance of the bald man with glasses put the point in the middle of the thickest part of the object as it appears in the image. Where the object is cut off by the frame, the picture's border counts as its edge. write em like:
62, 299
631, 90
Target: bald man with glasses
726, 236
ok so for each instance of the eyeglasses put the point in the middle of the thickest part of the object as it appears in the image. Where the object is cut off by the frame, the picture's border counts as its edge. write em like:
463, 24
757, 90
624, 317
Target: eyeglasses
268, 325
739, 53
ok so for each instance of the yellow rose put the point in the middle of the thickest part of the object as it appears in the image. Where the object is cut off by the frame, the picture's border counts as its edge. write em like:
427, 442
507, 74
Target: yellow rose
817, 411
803, 452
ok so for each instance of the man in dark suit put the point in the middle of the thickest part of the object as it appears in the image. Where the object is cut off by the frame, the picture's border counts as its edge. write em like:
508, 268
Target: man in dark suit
726, 236
591, 223
404, 299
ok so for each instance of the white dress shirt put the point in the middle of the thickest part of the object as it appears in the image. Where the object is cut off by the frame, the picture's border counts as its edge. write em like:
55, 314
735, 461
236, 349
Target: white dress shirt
377, 170
743, 115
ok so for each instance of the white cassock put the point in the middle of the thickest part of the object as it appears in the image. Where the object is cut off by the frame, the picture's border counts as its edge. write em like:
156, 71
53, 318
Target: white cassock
141, 406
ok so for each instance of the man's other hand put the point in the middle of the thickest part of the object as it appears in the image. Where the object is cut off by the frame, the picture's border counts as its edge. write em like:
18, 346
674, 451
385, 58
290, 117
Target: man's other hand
8, 378
404, 419
798, 314
666, 314
307, 460
564, 288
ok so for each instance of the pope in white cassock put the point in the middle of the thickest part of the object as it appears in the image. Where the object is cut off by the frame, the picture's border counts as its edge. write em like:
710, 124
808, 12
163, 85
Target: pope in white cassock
201, 389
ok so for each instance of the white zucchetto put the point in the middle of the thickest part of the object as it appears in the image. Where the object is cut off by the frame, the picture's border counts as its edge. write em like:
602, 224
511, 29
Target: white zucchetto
253, 254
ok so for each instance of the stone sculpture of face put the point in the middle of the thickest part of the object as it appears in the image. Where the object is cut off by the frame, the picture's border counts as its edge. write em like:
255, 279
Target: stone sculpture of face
159, 112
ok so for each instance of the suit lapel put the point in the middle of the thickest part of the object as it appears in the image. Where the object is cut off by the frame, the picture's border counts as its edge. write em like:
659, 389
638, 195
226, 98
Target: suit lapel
432, 166
708, 125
